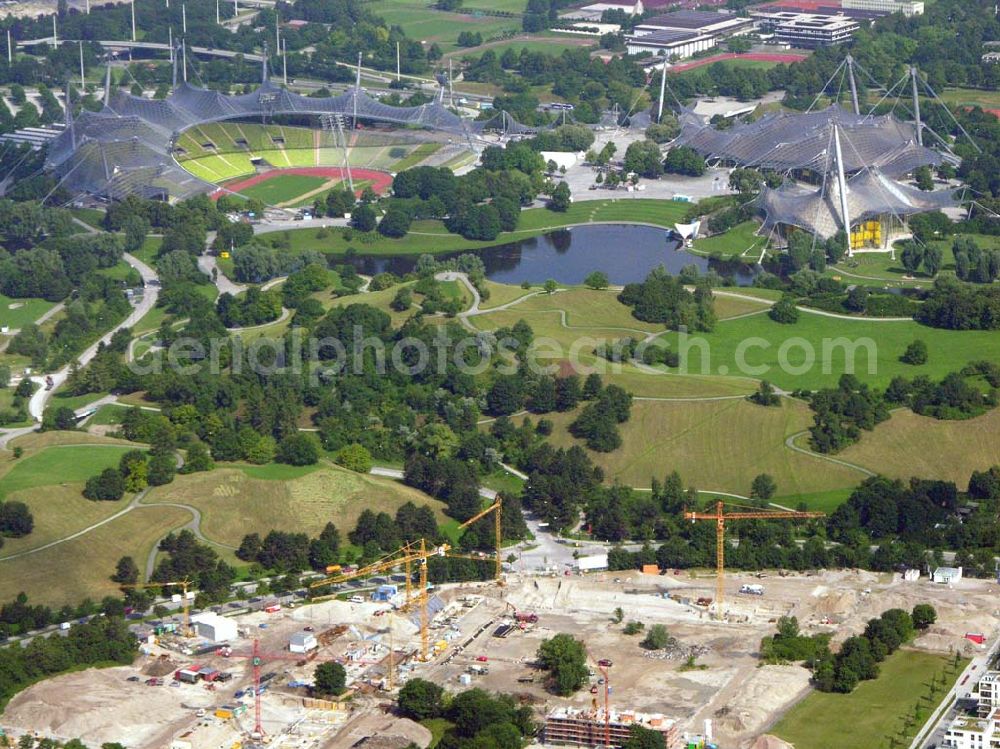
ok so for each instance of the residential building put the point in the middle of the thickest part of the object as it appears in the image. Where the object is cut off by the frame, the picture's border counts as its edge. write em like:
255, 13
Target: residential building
587, 727
947, 575
807, 30
967, 732
906, 7
989, 693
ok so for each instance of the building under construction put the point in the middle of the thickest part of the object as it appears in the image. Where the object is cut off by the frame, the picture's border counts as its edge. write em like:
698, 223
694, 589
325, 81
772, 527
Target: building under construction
595, 728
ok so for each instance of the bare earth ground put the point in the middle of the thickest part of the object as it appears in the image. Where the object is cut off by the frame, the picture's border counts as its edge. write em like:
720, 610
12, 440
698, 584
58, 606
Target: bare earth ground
726, 686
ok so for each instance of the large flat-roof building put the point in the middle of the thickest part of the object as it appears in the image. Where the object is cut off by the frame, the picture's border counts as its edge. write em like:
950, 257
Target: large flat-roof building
697, 21
887, 7
807, 30
587, 727
685, 32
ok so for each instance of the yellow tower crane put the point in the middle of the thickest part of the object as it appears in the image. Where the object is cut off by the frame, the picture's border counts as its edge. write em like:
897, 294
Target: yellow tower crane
720, 516
497, 509
185, 603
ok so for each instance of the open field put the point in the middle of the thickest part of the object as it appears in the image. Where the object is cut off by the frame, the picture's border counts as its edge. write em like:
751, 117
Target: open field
77, 569
16, 313
877, 346
546, 43
911, 445
751, 60
288, 185
971, 97
741, 239
282, 187
424, 23
237, 501
716, 446
873, 714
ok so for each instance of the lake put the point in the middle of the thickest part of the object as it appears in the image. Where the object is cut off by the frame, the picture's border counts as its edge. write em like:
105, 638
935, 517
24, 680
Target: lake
625, 253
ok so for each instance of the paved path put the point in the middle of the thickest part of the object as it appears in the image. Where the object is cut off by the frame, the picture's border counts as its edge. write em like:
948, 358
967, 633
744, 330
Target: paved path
208, 263
790, 443
41, 397
285, 312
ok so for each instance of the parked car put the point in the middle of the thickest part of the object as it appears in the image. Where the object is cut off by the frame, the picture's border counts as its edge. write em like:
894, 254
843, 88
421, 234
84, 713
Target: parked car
132, 678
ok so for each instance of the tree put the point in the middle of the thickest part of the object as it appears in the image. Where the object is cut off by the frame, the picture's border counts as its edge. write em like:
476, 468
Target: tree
561, 198
912, 256
618, 615
684, 160
363, 218
923, 177
299, 449
916, 353
784, 311
640, 737
765, 395
15, 519
596, 280
162, 468
395, 222
924, 615
420, 699
198, 458
330, 678
565, 658
932, 259
657, 638
550, 286
643, 157
763, 487
108, 485
665, 130
403, 299
126, 571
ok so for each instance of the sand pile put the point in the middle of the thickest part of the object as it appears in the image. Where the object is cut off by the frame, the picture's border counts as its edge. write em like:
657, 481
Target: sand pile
768, 742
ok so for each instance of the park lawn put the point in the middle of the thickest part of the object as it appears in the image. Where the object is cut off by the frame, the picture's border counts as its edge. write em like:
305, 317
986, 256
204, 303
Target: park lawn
81, 568
283, 188
60, 466
110, 414
501, 294
873, 714
971, 97
734, 306
912, 445
238, 501
424, 23
118, 272
63, 399
16, 313
549, 45
741, 239
824, 501
147, 253
93, 217
715, 446
431, 237
584, 309
879, 344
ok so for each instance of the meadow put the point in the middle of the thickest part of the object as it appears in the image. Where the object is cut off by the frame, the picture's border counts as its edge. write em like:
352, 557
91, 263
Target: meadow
16, 313
873, 713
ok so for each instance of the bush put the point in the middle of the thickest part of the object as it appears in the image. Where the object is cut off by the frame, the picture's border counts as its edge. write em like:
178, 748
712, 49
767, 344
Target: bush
784, 312
916, 353
657, 638
354, 457
633, 628
298, 450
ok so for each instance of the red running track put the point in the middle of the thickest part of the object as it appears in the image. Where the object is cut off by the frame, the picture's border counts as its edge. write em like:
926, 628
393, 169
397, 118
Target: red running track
785, 57
380, 180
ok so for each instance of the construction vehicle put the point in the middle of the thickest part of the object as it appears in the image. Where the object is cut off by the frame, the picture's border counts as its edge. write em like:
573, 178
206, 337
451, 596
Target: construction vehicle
497, 509
720, 516
522, 617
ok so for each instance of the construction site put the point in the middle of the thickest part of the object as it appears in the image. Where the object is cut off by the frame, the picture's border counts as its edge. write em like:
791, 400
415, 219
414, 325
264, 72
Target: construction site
706, 687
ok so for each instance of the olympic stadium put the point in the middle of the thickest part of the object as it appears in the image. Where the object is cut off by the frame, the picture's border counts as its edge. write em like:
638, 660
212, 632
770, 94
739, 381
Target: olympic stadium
201, 141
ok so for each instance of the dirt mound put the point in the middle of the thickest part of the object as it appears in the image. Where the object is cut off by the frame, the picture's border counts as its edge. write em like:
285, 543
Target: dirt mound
768, 742
158, 666
765, 693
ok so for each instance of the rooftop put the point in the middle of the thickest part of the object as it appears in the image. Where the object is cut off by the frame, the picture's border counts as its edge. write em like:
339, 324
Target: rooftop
666, 36
690, 19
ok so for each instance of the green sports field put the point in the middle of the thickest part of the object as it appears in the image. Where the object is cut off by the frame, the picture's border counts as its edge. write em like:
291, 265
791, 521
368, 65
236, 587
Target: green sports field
428, 25
283, 187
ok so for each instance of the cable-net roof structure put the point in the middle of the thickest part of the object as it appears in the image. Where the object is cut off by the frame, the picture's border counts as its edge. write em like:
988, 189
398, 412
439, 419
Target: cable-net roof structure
126, 147
786, 141
870, 194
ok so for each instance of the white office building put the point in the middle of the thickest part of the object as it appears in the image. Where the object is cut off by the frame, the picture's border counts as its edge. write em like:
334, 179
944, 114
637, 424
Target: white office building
906, 7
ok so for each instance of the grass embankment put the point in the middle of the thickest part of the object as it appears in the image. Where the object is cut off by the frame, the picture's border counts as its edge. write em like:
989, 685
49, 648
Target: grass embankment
875, 714
235, 501
716, 446
50, 481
